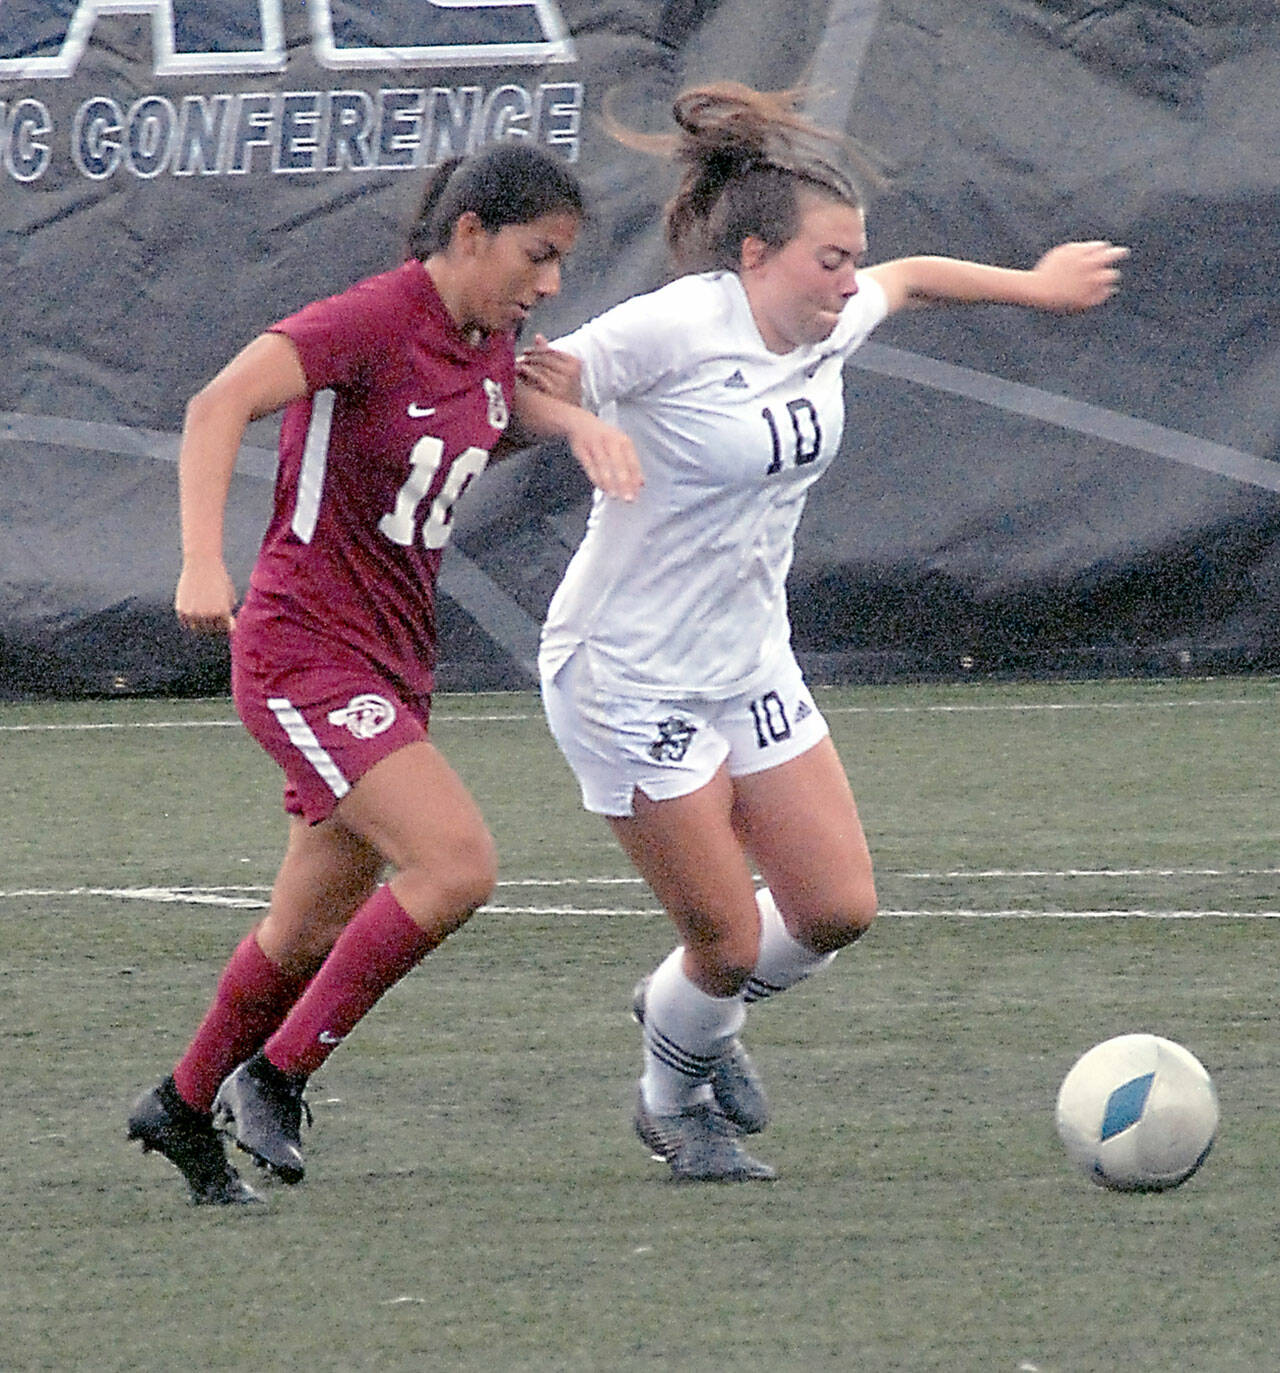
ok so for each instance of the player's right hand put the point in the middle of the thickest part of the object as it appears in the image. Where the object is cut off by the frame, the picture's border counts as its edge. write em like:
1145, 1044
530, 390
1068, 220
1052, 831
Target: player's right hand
1077, 276
205, 598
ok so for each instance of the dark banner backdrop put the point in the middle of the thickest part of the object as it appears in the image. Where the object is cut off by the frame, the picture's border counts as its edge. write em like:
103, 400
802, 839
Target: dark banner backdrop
1017, 493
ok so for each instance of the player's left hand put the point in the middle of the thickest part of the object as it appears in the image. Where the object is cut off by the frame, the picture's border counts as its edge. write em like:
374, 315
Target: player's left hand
1078, 276
547, 369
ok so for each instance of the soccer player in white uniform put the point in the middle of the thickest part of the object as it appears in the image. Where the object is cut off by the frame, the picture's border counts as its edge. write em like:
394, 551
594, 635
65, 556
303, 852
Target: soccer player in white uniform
667, 671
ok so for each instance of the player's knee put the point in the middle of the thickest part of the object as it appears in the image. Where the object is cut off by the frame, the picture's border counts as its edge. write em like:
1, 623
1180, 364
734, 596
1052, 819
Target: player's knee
299, 947
471, 878
312, 948
719, 977
446, 890
847, 921
723, 960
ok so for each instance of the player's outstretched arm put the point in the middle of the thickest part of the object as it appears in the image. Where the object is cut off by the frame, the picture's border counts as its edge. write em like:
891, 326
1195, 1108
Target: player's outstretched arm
261, 378
1067, 279
604, 452
542, 368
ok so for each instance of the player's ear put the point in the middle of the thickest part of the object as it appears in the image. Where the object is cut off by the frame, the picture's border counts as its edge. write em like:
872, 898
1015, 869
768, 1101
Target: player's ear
468, 231
752, 253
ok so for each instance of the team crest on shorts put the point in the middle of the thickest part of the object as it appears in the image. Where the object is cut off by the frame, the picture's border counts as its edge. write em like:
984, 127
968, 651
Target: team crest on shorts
498, 415
365, 715
674, 737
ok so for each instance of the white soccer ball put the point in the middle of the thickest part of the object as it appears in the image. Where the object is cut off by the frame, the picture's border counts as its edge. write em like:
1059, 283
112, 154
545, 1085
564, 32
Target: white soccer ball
1138, 1113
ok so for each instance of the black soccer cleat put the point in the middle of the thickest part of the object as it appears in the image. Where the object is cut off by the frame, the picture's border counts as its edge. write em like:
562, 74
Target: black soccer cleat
261, 1109
699, 1143
163, 1123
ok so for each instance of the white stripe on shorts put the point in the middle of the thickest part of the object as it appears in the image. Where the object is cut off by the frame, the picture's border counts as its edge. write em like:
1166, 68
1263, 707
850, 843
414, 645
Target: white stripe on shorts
302, 738
315, 459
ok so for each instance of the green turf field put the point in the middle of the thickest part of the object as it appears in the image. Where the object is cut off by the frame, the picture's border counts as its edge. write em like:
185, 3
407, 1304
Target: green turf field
1057, 863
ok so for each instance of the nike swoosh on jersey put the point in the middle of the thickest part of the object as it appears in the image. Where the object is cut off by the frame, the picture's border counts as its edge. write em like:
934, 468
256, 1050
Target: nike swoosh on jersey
420, 412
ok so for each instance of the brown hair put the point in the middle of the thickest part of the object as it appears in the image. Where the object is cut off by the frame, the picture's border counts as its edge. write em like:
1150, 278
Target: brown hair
746, 154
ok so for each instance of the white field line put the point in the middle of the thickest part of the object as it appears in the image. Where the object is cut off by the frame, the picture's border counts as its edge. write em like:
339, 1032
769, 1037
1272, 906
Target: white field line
1015, 707
983, 874
187, 896
1084, 915
957, 708
937, 914
74, 727
254, 897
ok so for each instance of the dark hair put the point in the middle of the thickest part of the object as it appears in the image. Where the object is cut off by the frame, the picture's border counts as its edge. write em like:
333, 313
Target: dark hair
507, 183
747, 155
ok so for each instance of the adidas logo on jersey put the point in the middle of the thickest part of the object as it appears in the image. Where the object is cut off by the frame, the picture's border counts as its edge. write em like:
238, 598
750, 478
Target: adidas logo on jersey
737, 381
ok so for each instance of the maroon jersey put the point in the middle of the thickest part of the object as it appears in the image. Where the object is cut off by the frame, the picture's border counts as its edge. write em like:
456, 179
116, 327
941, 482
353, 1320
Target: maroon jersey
401, 414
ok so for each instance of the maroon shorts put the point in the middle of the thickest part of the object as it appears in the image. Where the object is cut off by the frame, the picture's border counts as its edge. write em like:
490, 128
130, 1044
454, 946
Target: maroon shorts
323, 712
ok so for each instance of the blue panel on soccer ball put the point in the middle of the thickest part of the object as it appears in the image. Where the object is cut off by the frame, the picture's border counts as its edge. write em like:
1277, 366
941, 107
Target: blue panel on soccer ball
1124, 1105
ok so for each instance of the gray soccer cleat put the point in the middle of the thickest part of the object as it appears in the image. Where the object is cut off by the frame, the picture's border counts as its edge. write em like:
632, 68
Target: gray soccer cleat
735, 1084
699, 1144
261, 1109
163, 1123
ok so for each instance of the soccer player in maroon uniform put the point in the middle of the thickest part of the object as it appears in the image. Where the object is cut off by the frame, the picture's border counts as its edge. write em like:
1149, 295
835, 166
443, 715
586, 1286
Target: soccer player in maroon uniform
396, 392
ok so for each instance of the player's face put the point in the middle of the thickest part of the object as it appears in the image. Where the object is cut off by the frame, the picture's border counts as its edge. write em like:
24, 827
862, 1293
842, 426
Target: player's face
798, 291
517, 266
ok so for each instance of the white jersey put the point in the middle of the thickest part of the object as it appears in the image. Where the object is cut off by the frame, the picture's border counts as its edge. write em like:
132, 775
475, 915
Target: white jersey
682, 592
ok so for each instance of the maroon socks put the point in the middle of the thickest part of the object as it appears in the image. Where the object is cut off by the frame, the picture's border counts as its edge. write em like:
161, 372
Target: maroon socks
380, 945
253, 996
298, 1022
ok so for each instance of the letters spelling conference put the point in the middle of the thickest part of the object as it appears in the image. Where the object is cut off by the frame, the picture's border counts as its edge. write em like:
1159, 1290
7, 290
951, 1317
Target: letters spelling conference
289, 132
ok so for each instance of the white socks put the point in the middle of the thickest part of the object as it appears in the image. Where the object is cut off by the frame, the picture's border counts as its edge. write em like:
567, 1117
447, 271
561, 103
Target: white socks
686, 1030
783, 960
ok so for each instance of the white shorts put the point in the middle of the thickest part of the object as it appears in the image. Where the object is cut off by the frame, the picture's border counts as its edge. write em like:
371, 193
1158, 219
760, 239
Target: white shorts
669, 748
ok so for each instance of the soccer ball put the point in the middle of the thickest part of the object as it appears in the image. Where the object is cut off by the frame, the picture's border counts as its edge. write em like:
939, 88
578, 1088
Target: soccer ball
1138, 1113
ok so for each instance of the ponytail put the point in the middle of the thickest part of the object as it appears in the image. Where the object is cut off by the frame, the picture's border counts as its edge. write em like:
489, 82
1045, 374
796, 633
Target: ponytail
745, 154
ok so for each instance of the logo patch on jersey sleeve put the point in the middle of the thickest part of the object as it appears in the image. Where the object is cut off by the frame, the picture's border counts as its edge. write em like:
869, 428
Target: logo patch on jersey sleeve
364, 716
498, 416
